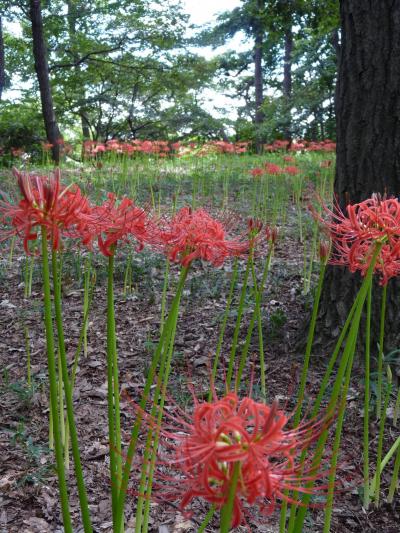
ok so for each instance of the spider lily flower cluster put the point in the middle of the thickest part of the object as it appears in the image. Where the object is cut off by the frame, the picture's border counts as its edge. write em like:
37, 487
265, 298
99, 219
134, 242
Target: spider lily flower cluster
356, 234
199, 453
45, 202
229, 446
65, 211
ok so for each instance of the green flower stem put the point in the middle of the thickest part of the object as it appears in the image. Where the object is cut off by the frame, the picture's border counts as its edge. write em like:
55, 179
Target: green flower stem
12, 246
114, 421
336, 444
86, 291
380, 353
396, 408
367, 395
51, 364
226, 511
267, 267
81, 334
127, 276
238, 322
165, 370
380, 438
61, 401
164, 340
312, 255
83, 501
304, 373
51, 431
396, 468
296, 522
28, 356
164, 295
207, 519
310, 340
259, 290
223, 326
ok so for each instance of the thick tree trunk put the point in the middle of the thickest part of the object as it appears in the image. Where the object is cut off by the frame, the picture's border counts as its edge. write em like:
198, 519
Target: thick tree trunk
368, 100
2, 61
287, 81
42, 72
368, 137
258, 76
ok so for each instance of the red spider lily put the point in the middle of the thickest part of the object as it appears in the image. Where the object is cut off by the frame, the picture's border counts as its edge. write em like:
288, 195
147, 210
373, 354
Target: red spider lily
257, 172
196, 234
355, 236
46, 146
201, 450
111, 223
291, 170
289, 159
45, 203
271, 168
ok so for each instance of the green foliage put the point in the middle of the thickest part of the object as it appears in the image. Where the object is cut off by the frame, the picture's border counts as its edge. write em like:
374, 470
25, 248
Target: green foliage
123, 70
21, 126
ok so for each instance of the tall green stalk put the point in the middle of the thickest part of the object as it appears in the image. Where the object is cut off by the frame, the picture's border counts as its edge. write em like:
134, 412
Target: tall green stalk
259, 290
380, 353
367, 394
51, 365
83, 501
164, 295
238, 322
163, 342
346, 363
28, 356
396, 468
380, 438
113, 400
227, 509
304, 373
158, 408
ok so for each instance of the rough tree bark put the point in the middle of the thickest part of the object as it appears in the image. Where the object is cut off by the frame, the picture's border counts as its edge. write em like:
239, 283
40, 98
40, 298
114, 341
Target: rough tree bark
368, 138
42, 72
258, 75
2, 61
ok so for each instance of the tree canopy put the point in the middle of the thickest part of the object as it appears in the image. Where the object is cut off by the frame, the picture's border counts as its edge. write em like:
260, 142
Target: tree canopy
136, 69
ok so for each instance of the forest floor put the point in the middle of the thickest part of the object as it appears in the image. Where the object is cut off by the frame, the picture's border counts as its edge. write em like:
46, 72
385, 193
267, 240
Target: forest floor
28, 485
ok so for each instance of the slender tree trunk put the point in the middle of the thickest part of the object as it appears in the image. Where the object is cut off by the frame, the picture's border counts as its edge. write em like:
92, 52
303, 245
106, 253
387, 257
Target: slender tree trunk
258, 75
2, 61
42, 72
287, 81
72, 14
85, 125
368, 136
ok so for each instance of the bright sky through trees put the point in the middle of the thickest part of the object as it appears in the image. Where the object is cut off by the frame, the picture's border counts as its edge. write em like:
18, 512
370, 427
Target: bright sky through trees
204, 12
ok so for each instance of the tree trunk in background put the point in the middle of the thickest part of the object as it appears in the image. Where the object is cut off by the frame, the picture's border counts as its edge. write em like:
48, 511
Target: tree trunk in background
258, 75
72, 15
368, 139
287, 81
2, 62
42, 72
